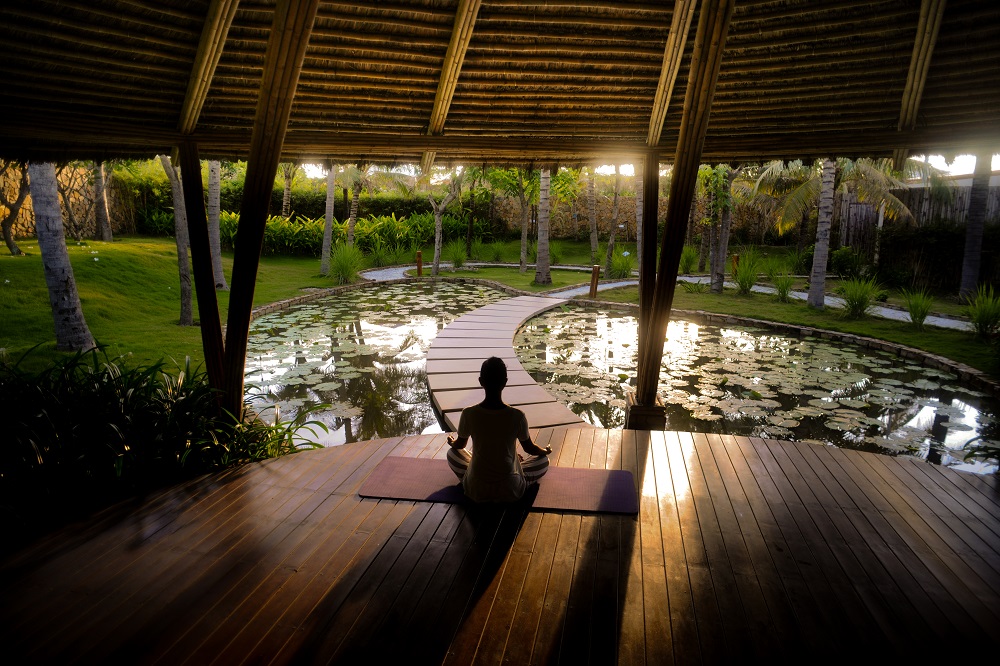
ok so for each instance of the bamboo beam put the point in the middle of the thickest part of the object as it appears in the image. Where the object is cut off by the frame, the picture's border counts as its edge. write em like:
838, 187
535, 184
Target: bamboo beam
673, 52
286, 49
461, 35
213, 40
710, 41
201, 258
647, 262
931, 14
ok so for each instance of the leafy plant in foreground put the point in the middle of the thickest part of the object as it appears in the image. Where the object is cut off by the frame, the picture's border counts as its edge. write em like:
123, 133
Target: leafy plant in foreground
622, 265
918, 304
695, 287
984, 312
746, 272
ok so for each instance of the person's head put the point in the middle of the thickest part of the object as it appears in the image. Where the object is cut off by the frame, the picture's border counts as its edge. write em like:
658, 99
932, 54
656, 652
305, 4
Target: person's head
493, 374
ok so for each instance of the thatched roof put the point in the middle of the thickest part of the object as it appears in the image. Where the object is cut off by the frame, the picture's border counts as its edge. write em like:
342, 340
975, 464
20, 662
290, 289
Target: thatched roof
557, 80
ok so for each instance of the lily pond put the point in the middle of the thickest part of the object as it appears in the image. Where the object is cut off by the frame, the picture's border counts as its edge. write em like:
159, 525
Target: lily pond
360, 353
753, 382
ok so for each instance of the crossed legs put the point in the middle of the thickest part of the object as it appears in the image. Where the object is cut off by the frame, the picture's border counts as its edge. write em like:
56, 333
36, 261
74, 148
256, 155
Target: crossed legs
534, 467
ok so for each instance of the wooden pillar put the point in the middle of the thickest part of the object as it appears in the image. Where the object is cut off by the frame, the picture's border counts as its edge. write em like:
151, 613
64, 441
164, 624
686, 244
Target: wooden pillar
201, 257
286, 48
713, 27
647, 263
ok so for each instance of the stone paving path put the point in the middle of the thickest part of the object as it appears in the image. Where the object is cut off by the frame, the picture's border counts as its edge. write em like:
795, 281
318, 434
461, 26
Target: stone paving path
398, 272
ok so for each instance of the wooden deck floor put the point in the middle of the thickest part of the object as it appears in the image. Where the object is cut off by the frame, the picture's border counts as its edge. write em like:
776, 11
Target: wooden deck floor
743, 550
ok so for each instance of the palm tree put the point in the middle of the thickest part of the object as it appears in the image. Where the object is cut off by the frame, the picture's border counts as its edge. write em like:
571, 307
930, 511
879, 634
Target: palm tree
181, 238
288, 170
817, 278
614, 224
592, 211
212, 210
324, 260
355, 175
71, 328
102, 218
14, 204
524, 185
975, 223
566, 186
542, 275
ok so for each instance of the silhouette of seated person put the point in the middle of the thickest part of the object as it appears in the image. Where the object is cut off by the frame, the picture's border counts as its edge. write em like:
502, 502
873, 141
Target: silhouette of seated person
494, 471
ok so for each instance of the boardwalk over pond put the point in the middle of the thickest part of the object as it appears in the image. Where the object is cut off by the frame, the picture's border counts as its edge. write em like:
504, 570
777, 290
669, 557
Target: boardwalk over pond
743, 549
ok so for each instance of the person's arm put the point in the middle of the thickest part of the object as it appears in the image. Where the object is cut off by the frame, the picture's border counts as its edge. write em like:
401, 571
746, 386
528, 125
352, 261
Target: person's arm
457, 442
532, 450
461, 438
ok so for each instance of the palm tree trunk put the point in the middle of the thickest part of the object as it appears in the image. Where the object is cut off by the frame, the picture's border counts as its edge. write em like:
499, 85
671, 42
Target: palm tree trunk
71, 328
542, 275
181, 236
524, 220
721, 252
614, 226
213, 210
355, 196
439, 209
286, 196
817, 279
976, 220
102, 218
324, 257
592, 210
638, 213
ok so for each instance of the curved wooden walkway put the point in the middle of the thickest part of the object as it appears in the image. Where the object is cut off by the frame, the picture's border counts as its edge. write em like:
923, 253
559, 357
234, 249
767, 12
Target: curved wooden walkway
458, 351
744, 551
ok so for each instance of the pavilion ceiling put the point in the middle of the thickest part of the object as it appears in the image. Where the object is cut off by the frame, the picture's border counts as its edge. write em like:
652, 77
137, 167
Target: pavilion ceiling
559, 80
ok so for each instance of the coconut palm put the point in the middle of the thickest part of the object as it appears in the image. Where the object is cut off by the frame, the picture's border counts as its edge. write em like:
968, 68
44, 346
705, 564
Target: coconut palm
288, 171
71, 328
454, 187
592, 211
324, 260
212, 211
102, 218
609, 255
542, 275
974, 225
567, 186
523, 184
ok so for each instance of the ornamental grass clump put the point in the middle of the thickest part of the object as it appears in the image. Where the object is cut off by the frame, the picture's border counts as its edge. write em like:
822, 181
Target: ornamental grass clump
918, 303
346, 262
689, 257
746, 272
622, 265
984, 312
694, 287
454, 252
497, 252
480, 251
859, 296
783, 286
379, 254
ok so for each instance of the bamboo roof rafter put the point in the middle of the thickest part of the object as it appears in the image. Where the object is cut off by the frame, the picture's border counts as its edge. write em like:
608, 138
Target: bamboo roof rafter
931, 15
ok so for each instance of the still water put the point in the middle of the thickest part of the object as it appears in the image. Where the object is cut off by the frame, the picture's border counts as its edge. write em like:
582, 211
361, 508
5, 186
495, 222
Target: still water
361, 353
746, 381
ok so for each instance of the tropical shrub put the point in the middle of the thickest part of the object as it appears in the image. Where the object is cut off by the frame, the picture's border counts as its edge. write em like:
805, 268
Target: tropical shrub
454, 252
497, 251
695, 287
783, 286
918, 304
379, 254
480, 250
859, 296
155, 222
984, 312
346, 263
802, 262
622, 265
89, 430
846, 263
745, 273
689, 259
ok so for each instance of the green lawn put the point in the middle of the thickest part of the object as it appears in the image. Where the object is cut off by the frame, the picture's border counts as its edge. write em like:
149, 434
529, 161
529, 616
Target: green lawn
131, 302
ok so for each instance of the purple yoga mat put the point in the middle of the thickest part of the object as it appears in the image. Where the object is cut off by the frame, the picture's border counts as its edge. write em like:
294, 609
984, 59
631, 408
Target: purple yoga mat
562, 488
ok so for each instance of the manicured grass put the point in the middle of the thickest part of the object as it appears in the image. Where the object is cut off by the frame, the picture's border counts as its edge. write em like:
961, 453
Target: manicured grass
957, 345
514, 278
130, 298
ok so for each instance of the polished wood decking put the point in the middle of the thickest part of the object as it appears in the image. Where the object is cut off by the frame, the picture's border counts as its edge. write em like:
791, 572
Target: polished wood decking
743, 549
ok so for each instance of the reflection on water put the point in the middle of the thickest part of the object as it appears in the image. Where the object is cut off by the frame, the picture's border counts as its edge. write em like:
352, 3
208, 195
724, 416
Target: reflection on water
747, 381
361, 353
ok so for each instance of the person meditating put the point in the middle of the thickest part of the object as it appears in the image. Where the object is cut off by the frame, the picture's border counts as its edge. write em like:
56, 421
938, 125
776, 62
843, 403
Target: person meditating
494, 471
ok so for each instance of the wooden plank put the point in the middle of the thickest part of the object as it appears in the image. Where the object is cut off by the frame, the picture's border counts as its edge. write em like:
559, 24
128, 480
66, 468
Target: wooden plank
631, 578
531, 603
963, 501
657, 635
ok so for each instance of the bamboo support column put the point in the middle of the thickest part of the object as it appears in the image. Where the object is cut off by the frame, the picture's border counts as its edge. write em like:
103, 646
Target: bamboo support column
647, 263
713, 27
286, 49
201, 257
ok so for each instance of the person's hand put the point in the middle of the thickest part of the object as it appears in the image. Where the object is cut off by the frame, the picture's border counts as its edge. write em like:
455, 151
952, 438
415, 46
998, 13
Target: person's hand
547, 450
451, 441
